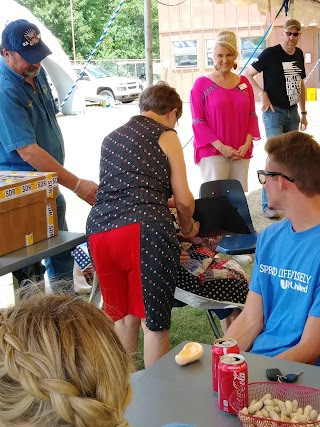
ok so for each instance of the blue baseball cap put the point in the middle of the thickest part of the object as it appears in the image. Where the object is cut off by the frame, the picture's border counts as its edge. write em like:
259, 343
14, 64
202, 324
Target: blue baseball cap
23, 37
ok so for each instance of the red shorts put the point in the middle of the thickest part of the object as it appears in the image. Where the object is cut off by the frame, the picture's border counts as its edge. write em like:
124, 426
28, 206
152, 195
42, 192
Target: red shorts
116, 257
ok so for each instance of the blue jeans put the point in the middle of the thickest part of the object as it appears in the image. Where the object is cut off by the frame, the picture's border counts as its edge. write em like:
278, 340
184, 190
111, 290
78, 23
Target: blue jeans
60, 266
283, 120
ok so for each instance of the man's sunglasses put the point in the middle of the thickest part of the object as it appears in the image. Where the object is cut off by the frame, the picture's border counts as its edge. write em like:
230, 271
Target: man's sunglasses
289, 33
263, 174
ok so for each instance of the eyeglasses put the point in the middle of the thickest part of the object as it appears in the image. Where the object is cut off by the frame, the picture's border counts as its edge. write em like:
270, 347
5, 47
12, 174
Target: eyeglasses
263, 174
289, 33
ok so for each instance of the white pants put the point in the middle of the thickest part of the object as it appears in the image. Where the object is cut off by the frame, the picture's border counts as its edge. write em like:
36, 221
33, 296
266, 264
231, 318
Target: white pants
220, 167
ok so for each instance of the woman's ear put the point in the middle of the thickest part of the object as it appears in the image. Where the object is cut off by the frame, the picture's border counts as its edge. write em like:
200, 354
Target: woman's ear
171, 117
173, 114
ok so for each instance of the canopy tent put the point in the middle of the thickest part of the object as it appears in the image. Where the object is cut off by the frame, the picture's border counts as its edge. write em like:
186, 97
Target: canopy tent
305, 11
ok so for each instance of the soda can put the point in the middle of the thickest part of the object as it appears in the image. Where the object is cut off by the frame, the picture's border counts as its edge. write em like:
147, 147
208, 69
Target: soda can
220, 347
232, 375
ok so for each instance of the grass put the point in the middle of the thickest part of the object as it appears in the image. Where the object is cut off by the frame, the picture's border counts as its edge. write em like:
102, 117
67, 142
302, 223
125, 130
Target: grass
187, 324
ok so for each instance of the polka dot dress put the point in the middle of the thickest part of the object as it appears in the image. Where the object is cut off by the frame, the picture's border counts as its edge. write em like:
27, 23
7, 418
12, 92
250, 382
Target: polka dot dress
134, 177
134, 188
159, 265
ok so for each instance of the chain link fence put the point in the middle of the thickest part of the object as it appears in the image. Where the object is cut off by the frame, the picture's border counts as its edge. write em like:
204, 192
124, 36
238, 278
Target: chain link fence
134, 68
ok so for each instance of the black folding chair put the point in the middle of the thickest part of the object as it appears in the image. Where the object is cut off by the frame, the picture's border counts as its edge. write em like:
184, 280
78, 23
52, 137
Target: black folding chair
235, 244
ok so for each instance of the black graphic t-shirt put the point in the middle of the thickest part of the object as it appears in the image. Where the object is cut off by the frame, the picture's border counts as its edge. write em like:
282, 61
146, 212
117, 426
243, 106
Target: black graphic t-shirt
282, 75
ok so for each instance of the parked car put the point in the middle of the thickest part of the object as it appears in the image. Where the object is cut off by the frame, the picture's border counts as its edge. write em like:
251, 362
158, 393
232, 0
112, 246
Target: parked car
96, 82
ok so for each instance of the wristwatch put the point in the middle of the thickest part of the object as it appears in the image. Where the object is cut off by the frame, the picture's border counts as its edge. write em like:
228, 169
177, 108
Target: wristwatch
303, 112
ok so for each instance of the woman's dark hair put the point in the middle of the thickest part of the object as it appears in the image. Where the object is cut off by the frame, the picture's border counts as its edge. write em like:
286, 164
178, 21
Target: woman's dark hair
161, 99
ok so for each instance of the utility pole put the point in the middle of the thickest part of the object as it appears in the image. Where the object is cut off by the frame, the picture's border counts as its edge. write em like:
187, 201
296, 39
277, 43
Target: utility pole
148, 42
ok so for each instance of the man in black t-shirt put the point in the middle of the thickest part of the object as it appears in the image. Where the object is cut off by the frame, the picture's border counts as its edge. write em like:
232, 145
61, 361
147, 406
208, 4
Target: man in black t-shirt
283, 88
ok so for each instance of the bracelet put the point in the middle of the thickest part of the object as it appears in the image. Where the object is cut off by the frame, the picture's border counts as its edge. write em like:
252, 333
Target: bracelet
77, 186
261, 92
303, 112
189, 231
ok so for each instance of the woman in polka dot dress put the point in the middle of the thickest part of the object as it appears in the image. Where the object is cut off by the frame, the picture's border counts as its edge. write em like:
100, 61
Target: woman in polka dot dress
130, 231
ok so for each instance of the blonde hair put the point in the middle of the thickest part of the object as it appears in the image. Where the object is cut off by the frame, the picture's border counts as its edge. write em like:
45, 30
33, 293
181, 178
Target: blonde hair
227, 39
61, 364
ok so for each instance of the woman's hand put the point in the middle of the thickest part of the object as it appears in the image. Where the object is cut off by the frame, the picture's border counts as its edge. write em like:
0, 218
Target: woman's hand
171, 203
229, 152
184, 256
194, 231
242, 150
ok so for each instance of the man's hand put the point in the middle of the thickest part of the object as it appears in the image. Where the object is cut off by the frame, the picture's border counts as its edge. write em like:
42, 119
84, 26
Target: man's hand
303, 122
87, 191
266, 103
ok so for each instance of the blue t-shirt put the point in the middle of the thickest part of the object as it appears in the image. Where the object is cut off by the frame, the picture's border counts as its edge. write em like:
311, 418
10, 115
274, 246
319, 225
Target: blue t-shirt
287, 275
26, 117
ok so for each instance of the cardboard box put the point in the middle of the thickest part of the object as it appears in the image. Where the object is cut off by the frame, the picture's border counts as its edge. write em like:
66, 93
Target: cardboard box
28, 211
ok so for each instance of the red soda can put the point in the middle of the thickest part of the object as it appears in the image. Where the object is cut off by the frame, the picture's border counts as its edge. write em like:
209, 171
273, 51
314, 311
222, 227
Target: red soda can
220, 347
232, 375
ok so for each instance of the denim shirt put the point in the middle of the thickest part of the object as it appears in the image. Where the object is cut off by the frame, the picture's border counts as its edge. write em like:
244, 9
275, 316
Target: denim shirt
26, 117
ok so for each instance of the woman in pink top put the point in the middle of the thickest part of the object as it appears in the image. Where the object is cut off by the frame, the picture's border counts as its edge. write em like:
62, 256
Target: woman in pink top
224, 118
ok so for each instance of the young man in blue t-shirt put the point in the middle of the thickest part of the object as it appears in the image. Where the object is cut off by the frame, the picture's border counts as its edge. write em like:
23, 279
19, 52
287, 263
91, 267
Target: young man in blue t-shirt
281, 316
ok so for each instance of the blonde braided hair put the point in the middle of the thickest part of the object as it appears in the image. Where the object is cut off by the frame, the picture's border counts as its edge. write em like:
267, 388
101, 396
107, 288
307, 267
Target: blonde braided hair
61, 364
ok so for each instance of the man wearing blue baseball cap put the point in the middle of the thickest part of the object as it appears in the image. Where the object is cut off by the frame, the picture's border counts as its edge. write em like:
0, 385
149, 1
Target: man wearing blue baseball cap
23, 37
30, 137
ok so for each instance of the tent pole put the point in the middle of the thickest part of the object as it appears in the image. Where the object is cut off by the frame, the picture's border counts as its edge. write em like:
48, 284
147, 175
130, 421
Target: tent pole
72, 33
148, 42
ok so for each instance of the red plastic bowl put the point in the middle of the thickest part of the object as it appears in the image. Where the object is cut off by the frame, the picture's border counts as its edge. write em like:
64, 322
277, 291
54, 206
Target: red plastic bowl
304, 395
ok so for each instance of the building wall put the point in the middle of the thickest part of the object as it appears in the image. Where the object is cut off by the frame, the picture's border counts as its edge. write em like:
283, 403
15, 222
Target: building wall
200, 20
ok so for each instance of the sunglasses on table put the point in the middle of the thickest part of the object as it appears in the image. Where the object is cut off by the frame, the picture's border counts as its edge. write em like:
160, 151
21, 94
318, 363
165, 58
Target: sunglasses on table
289, 33
263, 174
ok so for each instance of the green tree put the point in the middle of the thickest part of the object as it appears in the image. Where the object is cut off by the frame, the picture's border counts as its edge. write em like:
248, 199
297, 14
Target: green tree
125, 38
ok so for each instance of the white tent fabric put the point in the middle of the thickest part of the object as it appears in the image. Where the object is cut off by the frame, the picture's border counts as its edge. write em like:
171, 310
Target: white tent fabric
57, 65
306, 11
